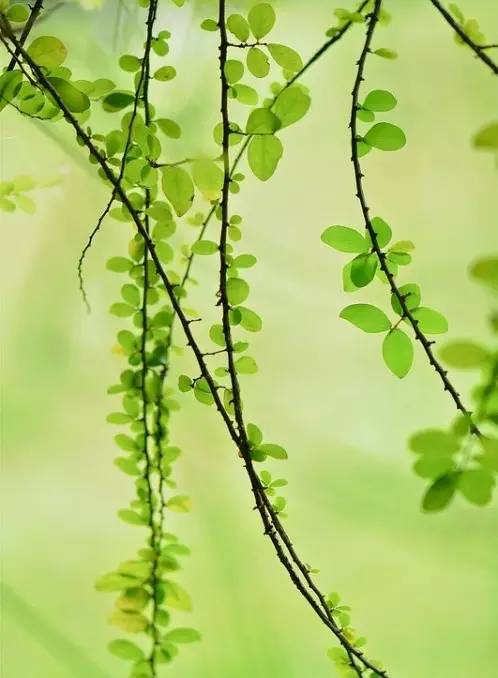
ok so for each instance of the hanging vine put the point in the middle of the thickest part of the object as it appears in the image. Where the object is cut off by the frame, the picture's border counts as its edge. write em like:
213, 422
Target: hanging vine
150, 194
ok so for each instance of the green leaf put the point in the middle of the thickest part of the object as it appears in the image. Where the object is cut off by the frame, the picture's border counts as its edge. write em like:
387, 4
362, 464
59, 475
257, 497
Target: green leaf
121, 310
119, 264
131, 517
476, 485
382, 231
47, 51
274, 451
76, 101
169, 127
433, 465
250, 320
125, 442
208, 177
124, 649
133, 622
238, 26
257, 62
368, 318
209, 25
165, 74
179, 503
363, 269
177, 597
434, 441
202, 392
386, 53
489, 458
164, 252
430, 321
184, 383
117, 100
261, 19
115, 582
245, 94
234, 71
365, 116
291, 105
131, 294
486, 271
205, 247
130, 63
178, 188
10, 83
182, 636
127, 466
385, 137
246, 365
412, 295
439, 494
464, 354
264, 154
344, 239
254, 434
397, 350
380, 100
216, 335
286, 57
17, 13
262, 121
237, 291
244, 261
487, 137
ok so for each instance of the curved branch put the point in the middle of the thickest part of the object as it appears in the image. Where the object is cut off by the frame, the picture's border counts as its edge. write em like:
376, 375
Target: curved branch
477, 49
358, 174
35, 11
242, 444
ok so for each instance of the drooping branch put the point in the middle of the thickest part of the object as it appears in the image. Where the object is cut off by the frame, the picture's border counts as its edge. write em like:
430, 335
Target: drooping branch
477, 49
141, 92
35, 11
381, 256
241, 443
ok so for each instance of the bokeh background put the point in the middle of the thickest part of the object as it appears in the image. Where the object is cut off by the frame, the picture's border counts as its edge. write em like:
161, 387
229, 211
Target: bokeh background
424, 589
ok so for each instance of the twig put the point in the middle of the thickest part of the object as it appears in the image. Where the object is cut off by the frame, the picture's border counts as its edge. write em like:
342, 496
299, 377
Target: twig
35, 11
358, 174
170, 288
478, 49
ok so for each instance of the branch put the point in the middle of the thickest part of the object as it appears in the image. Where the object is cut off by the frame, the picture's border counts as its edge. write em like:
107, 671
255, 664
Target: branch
143, 83
358, 174
477, 49
35, 11
264, 508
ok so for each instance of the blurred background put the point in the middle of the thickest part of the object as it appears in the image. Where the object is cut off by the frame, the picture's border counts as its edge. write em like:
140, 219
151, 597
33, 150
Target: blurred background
424, 589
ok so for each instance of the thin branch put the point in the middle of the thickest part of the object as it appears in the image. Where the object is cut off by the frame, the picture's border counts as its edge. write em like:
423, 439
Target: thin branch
477, 49
87, 247
35, 11
256, 487
313, 59
142, 84
263, 504
358, 174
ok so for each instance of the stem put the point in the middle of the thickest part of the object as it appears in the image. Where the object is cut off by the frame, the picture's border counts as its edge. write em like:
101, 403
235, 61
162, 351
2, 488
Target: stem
358, 174
35, 11
242, 444
478, 49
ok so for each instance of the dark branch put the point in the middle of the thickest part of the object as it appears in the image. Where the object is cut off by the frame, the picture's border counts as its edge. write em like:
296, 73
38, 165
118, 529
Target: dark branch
358, 174
477, 49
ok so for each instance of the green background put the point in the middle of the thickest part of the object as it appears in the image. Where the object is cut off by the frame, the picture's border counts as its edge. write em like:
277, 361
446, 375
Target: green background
422, 588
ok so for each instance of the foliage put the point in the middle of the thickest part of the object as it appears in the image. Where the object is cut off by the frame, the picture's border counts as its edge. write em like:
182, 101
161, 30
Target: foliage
150, 196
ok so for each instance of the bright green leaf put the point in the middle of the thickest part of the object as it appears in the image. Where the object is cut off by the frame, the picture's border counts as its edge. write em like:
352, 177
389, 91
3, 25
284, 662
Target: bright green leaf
368, 318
